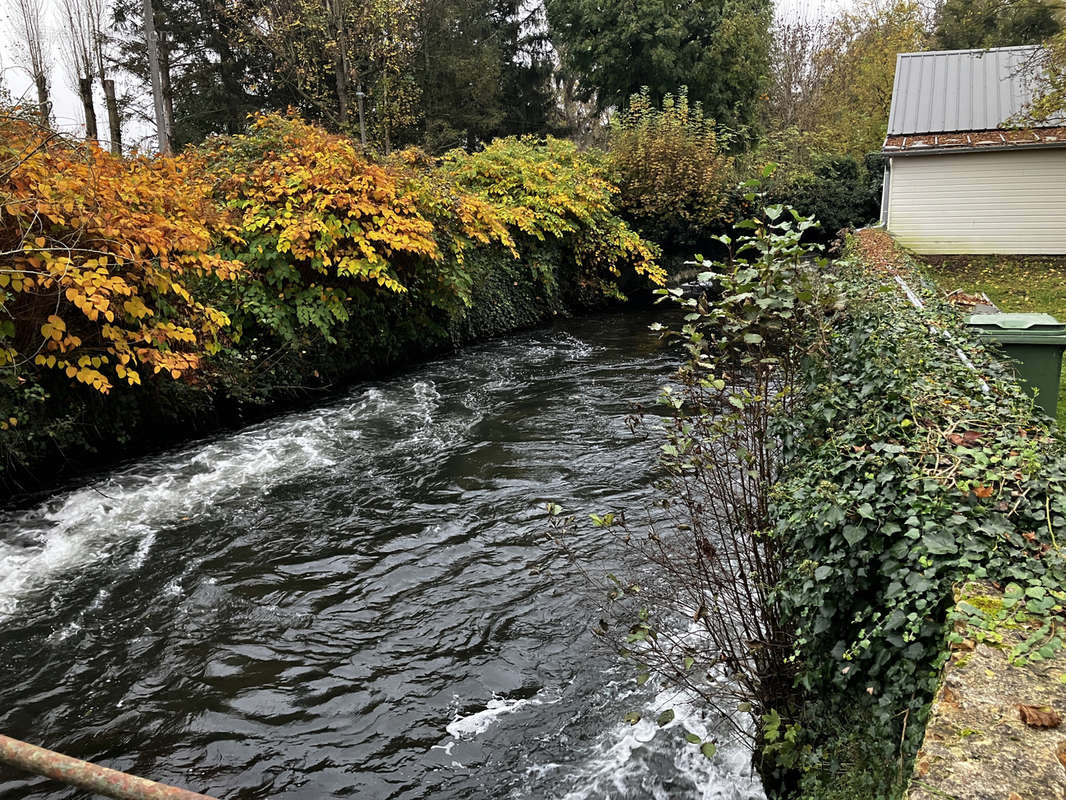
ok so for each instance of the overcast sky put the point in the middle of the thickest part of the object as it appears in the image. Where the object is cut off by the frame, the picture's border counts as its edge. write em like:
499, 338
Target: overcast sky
66, 106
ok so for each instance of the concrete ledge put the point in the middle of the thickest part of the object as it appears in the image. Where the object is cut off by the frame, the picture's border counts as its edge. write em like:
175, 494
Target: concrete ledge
977, 746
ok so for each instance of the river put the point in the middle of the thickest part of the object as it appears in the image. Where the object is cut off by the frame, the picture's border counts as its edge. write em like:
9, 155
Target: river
357, 600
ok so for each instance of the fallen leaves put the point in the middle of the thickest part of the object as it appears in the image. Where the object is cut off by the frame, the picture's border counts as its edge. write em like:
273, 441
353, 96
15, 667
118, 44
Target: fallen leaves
1039, 716
964, 439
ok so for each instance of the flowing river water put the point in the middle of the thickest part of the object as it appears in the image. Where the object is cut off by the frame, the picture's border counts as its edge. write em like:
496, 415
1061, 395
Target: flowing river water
358, 600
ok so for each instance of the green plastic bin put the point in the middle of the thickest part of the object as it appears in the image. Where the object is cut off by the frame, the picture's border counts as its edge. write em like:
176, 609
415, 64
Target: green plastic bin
1035, 343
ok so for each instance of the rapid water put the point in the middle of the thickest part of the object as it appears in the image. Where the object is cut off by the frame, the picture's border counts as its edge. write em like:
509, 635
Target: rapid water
358, 600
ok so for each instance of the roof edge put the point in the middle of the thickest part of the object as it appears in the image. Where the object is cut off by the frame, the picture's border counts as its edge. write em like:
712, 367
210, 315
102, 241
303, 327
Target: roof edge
1016, 48
1029, 126
974, 141
961, 151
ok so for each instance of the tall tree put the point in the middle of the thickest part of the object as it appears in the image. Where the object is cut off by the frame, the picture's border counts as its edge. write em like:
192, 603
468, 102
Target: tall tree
102, 56
155, 70
861, 70
213, 73
833, 80
459, 72
798, 70
389, 35
314, 46
484, 69
1049, 105
337, 30
79, 48
33, 44
971, 24
526, 54
718, 48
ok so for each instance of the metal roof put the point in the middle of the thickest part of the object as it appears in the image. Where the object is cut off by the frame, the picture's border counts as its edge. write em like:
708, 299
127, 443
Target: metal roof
962, 90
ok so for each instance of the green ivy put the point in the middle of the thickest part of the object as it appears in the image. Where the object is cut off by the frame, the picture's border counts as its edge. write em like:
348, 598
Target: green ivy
907, 472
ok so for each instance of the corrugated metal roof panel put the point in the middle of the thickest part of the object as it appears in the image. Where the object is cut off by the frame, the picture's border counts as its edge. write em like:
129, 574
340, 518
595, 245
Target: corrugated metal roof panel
961, 90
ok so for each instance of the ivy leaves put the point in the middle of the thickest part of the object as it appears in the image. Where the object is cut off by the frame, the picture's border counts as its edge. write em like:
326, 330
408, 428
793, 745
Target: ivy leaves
904, 479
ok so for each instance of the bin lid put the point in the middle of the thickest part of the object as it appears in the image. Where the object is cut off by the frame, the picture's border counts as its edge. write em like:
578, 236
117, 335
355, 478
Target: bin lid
1020, 323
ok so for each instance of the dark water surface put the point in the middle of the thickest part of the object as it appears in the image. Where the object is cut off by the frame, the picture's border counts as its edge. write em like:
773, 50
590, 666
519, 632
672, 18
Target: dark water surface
357, 600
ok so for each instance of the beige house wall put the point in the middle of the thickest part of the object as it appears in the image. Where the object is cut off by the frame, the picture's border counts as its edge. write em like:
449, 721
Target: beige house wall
1010, 202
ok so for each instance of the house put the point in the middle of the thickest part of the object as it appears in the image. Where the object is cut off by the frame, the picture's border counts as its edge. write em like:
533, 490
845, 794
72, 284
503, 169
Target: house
960, 176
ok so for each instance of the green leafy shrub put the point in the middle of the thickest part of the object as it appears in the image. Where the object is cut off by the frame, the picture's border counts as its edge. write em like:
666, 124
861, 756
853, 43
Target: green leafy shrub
839, 191
671, 169
806, 169
550, 193
839, 462
908, 471
698, 605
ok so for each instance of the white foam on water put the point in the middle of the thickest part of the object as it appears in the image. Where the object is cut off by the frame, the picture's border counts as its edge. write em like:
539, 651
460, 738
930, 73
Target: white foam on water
480, 721
618, 762
64, 633
578, 347
144, 546
98, 601
88, 525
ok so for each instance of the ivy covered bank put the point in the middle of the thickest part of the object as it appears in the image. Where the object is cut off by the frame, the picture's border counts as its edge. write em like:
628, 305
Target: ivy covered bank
914, 463
843, 455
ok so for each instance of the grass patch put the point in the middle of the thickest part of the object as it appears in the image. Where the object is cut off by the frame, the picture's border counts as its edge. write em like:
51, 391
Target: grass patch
1014, 283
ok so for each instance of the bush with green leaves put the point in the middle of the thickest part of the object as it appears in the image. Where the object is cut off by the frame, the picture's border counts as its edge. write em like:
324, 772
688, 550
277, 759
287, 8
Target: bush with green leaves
913, 463
805, 169
698, 609
554, 197
671, 168
839, 191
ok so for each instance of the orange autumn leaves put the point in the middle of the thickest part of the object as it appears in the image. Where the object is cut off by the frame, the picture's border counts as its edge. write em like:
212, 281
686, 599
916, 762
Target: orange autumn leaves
315, 199
97, 254
318, 219
118, 268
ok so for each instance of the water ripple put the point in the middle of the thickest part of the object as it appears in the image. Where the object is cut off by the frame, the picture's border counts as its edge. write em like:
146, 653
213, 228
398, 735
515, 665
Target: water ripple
355, 600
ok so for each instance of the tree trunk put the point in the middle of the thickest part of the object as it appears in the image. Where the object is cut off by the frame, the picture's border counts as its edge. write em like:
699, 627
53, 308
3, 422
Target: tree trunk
44, 105
168, 88
113, 123
162, 131
362, 123
85, 89
385, 114
340, 59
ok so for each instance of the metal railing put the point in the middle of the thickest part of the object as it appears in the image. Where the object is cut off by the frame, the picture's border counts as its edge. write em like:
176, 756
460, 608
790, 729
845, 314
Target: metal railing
91, 777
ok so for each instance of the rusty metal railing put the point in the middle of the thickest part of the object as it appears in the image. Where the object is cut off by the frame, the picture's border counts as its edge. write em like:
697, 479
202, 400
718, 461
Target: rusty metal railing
91, 777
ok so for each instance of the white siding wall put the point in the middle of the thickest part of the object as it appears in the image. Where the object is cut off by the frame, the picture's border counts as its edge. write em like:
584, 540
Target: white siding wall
999, 202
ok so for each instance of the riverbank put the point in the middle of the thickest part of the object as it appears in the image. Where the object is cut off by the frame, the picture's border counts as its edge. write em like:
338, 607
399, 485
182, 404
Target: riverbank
155, 300
75, 433
916, 463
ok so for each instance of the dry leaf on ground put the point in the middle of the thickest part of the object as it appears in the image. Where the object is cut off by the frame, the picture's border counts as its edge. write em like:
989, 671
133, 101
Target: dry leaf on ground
1036, 717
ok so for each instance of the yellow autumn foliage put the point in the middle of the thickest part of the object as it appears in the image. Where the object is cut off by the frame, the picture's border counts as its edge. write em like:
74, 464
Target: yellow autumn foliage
97, 251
